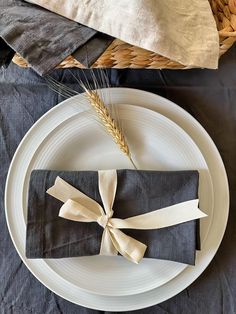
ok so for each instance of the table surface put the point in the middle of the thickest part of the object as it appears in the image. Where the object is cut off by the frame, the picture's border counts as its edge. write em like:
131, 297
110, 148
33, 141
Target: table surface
209, 95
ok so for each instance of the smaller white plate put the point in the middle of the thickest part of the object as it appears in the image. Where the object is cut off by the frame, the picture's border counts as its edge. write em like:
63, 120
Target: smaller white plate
79, 143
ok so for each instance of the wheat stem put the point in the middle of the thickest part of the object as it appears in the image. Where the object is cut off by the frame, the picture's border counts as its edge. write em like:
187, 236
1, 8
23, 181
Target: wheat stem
108, 122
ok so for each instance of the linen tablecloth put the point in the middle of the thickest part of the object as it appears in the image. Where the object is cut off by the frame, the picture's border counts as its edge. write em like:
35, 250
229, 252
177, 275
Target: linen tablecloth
210, 96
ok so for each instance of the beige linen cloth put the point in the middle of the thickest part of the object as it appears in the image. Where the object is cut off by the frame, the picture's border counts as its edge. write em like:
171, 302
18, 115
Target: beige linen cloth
182, 30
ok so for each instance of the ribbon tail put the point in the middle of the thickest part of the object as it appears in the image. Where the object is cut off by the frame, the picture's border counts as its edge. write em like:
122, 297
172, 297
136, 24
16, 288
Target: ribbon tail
107, 247
74, 211
130, 248
63, 191
161, 218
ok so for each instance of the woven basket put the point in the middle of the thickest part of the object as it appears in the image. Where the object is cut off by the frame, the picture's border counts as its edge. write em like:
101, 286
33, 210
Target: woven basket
122, 55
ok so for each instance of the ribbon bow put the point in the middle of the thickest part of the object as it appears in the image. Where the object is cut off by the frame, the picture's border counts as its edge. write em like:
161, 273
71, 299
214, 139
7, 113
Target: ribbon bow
79, 207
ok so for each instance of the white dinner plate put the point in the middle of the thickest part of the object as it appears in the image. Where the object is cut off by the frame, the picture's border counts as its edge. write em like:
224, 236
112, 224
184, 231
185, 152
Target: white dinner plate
70, 290
156, 142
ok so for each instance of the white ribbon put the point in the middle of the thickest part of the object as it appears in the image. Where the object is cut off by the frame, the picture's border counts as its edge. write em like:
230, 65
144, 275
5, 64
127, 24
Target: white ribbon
79, 207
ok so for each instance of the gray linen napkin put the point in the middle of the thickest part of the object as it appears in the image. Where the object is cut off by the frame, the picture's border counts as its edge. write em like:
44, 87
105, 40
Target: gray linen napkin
88, 53
138, 192
44, 38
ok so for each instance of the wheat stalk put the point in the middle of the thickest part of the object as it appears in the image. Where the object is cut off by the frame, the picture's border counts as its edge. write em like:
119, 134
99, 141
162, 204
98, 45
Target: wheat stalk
109, 123
106, 119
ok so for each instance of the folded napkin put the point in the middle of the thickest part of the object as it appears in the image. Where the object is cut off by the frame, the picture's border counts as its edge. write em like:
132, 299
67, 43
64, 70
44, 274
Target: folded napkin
183, 31
88, 53
45, 39
138, 192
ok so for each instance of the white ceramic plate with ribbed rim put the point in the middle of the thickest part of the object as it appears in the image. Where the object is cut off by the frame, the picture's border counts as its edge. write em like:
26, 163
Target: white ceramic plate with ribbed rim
221, 197
79, 143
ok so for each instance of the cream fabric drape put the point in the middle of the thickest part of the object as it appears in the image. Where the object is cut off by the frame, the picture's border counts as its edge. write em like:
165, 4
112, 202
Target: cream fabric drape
182, 30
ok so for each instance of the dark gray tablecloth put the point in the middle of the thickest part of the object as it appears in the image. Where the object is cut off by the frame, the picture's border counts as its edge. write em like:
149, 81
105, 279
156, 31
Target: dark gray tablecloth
210, 96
